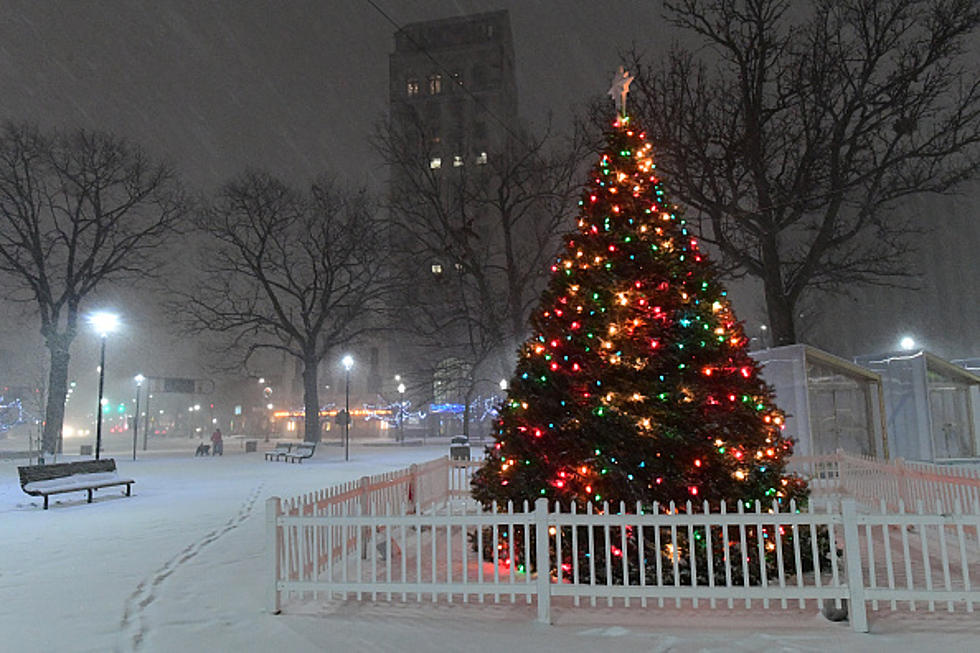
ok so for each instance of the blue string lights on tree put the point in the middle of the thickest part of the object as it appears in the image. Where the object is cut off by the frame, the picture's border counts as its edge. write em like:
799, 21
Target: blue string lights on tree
11, 414
637, 384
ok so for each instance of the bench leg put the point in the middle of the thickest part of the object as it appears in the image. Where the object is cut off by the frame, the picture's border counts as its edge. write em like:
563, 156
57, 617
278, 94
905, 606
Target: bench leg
45, 502
129, 489
89, 495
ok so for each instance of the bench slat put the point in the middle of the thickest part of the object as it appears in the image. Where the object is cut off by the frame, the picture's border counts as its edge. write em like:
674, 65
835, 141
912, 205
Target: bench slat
58, 478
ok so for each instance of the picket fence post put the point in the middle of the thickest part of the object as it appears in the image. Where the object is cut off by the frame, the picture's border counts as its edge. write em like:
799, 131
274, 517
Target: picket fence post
272, 511
543, 560
364, 485
857, 610
413, 489
903, 482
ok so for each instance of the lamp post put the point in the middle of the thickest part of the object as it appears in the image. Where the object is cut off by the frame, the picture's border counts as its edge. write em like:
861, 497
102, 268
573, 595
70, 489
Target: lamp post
139, 378
103, 323
146, 422
348, 362
401, 413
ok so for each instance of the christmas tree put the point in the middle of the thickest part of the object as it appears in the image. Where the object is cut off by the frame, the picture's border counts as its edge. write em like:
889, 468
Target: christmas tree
637, 384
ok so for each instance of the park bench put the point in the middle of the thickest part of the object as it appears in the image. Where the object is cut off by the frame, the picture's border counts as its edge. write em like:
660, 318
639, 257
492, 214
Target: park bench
282, 449
88, 475
300, 451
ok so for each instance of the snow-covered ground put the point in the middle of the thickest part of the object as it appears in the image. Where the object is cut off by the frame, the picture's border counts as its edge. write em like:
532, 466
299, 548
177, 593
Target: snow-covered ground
180, 566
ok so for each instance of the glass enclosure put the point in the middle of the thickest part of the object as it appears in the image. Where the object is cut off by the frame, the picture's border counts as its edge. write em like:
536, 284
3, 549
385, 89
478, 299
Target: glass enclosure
830, 403
841, 411
931, 406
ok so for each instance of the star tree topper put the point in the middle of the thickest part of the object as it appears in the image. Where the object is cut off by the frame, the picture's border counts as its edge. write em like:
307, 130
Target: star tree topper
619, 89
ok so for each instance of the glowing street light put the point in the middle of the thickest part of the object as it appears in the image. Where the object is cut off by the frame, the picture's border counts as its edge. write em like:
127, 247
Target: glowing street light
103, 323
348, 362
503, 384
907, 343
401, 411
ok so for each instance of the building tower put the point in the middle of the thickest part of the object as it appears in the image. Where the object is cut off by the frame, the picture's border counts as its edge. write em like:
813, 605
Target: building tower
453, 105
456, 76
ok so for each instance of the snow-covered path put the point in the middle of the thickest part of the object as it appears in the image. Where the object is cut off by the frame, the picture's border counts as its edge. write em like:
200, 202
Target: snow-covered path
180, 566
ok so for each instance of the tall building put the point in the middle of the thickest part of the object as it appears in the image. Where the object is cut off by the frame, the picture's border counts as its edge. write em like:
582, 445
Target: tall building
453, 108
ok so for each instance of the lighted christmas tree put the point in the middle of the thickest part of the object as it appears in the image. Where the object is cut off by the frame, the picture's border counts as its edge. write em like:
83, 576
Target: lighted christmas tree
637, 384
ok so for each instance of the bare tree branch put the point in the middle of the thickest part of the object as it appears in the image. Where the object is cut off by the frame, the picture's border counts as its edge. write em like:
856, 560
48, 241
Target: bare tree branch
489, 224
798, 132
287, 270
77, 210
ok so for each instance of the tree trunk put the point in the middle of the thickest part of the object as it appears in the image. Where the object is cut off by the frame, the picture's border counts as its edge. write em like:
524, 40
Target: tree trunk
311, 400
780, 309
466, 411
54, 411
779, 304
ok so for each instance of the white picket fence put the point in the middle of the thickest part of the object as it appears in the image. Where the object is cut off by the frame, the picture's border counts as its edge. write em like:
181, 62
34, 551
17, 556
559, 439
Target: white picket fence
414, 536
896, 482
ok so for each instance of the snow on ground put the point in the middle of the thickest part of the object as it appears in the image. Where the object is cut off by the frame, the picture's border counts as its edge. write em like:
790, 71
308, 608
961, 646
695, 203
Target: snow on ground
181, 566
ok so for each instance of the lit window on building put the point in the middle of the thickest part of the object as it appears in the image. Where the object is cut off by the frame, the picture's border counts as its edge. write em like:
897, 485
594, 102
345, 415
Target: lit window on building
412, 87
436, 269
435, 163
457, 161
482, 159
435, 84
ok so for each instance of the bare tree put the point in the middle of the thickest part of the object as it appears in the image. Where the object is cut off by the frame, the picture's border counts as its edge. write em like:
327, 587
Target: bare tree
77, 210
471, 241
287, 270
796, 131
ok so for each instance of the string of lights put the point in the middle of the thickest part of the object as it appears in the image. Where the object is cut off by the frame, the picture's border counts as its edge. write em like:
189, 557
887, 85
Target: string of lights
637, 385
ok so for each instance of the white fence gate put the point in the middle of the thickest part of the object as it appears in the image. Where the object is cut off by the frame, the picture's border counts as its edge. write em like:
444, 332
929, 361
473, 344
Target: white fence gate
414, 536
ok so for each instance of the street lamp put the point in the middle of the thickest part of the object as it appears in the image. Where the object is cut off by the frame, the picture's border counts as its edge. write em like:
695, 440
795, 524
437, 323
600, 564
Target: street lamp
139, 378
104, 324
348, 362
503, 384
907, 343
401, 412
146, 422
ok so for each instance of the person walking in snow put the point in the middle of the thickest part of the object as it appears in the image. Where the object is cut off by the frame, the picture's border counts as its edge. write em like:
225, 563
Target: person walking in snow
217, 448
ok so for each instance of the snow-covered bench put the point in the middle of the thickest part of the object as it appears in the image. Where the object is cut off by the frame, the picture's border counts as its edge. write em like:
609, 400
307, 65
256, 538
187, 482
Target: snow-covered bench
300, 451
282, 449
88, 475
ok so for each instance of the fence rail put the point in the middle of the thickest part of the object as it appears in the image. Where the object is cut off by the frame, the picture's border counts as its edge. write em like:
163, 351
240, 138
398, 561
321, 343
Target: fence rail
420, 545
896, 482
